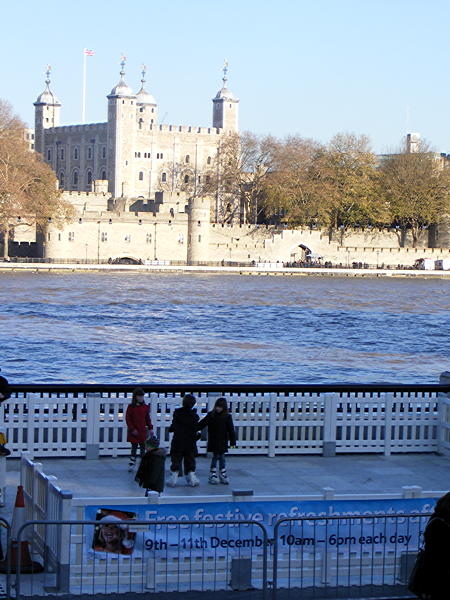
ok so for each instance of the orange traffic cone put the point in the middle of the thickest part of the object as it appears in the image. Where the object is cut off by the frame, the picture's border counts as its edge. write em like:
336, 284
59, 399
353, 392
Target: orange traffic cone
26, 564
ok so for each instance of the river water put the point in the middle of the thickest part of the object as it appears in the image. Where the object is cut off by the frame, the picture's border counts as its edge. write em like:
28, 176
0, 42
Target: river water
172, 328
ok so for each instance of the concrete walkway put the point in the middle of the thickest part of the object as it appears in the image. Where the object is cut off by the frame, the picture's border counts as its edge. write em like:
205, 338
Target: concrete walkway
280, 270
279, 476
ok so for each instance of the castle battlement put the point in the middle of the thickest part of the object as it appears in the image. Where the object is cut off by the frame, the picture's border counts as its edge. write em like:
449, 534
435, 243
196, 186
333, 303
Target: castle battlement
188, 129
75, 128
86, 194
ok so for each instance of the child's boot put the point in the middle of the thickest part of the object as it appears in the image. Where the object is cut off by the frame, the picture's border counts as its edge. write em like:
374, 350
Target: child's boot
173, 479
213, 477
223, 477
192, 479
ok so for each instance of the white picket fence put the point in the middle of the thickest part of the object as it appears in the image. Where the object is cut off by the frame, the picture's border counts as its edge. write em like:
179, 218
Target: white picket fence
91, 425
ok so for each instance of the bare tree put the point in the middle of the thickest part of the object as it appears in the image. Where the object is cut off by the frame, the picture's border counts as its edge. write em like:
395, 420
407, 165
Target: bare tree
238, 176
28, 190
416, 187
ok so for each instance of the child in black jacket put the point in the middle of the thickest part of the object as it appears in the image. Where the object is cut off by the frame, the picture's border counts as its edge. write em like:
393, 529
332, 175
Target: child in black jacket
150, 474
184, 447
220, 432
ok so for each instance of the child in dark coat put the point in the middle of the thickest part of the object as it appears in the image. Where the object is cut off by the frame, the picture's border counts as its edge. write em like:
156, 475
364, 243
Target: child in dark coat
184, 447
139, 424
220, 432
150, 474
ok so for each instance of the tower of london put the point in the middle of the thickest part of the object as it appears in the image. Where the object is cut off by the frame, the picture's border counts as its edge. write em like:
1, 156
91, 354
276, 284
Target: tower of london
136, 155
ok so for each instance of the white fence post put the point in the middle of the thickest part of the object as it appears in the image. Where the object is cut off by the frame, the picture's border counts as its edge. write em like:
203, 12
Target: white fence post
329, 425
30, 424
388, 404
64, 543
93, 426
272, 424
443, 424
2, 480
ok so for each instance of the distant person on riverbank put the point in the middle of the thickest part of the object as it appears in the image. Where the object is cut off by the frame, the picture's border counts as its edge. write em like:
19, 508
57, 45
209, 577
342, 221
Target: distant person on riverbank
220, 432
5, 393
139, 424
184, 442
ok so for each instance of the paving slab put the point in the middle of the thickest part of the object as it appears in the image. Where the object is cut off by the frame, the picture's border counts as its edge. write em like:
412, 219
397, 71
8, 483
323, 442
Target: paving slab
279, 476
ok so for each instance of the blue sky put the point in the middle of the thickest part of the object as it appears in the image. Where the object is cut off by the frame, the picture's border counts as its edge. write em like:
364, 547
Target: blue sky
374, 67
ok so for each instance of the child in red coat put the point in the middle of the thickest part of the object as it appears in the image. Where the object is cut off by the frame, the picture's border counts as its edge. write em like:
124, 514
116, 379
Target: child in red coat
139, 424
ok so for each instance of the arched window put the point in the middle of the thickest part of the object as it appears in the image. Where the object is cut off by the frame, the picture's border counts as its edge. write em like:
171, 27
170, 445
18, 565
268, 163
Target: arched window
75, 179
164, 177
61, 180
141, 121
89, 178
103, 175
75, 153
186, 179
188, 158
49, 154
208, 160
141, 175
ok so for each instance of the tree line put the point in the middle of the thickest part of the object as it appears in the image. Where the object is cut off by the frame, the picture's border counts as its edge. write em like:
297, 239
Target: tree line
336, 186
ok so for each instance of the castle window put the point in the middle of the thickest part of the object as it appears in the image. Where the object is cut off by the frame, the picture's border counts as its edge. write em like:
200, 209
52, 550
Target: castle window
75, 179
141, 175
61, 180
141, 109
71, 236
61, 154
186, 179
150, 125
199, 179
140, 123
148, 238
199, 238
103, 174
127, 238
59, 237
162, 156
153, 110
187, 159
49, 154
89, 178
75, 153
89, 152
104, 236
164, 177
208, 160
48, 236
104, 152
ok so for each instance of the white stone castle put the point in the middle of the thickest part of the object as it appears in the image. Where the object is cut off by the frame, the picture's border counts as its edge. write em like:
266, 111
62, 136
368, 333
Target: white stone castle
136, 187
135, 154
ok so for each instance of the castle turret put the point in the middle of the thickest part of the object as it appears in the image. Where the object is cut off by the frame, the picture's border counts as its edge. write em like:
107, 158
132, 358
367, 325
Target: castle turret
46, 114
199, 210
121, 132
147, 107
225, 106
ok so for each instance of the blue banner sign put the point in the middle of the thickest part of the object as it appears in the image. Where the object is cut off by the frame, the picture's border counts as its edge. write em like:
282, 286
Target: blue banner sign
116, 535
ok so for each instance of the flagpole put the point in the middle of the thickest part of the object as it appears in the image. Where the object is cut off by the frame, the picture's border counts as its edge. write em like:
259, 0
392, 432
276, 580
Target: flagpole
83, 105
